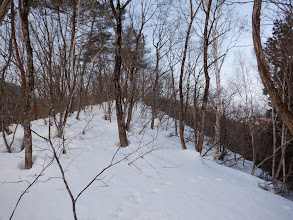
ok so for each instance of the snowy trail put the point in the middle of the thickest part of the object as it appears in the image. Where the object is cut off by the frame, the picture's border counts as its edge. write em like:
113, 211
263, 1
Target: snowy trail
168, 183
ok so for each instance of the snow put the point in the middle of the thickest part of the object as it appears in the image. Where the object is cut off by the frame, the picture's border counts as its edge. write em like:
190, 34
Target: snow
157, 180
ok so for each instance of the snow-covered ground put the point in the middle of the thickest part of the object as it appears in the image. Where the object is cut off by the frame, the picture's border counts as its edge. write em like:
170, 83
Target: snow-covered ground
155, 180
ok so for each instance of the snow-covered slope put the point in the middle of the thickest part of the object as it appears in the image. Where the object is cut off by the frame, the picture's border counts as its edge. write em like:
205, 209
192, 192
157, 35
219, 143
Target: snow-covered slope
157, 180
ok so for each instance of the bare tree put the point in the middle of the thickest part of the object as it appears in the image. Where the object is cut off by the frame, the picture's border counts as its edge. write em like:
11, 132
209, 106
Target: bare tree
207, 10
29, 95
160, 37
4, 98
136, 54
263, 69
224, 22
218, 108
174, 87
246, 92
181, 109
117, 12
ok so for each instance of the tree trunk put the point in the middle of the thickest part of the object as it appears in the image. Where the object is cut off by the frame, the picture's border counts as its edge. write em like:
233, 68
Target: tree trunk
181, 106
117, 75
175, 101
274, 143
133, 73
154, 98
130, 107
253, 147
263, 69
195, 114
131, 95
27, 141
282, 159
218, 109
283, 153
206, 73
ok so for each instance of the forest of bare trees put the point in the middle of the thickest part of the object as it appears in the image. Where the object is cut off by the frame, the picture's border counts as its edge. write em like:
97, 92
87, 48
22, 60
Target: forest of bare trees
57, 57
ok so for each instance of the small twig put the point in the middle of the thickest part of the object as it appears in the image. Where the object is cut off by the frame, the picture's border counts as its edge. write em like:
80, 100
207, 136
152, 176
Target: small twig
207, 151
30, 185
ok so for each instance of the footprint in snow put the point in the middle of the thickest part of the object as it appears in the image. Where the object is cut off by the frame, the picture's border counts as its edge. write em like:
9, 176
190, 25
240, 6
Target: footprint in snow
137, 198
219, 179
286, 207
200, 177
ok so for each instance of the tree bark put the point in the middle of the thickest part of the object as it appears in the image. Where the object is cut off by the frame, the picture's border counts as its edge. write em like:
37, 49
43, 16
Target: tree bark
206, 73
174, 93
218, 108
195, 114
251, 131
278, 104
27, 141
117, 71
274, 143
117, 75
154, 92
181, 107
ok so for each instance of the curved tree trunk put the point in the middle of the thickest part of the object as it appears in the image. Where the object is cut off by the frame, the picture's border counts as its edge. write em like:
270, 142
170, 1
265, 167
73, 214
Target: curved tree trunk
278, 104
206, 73
181, 108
